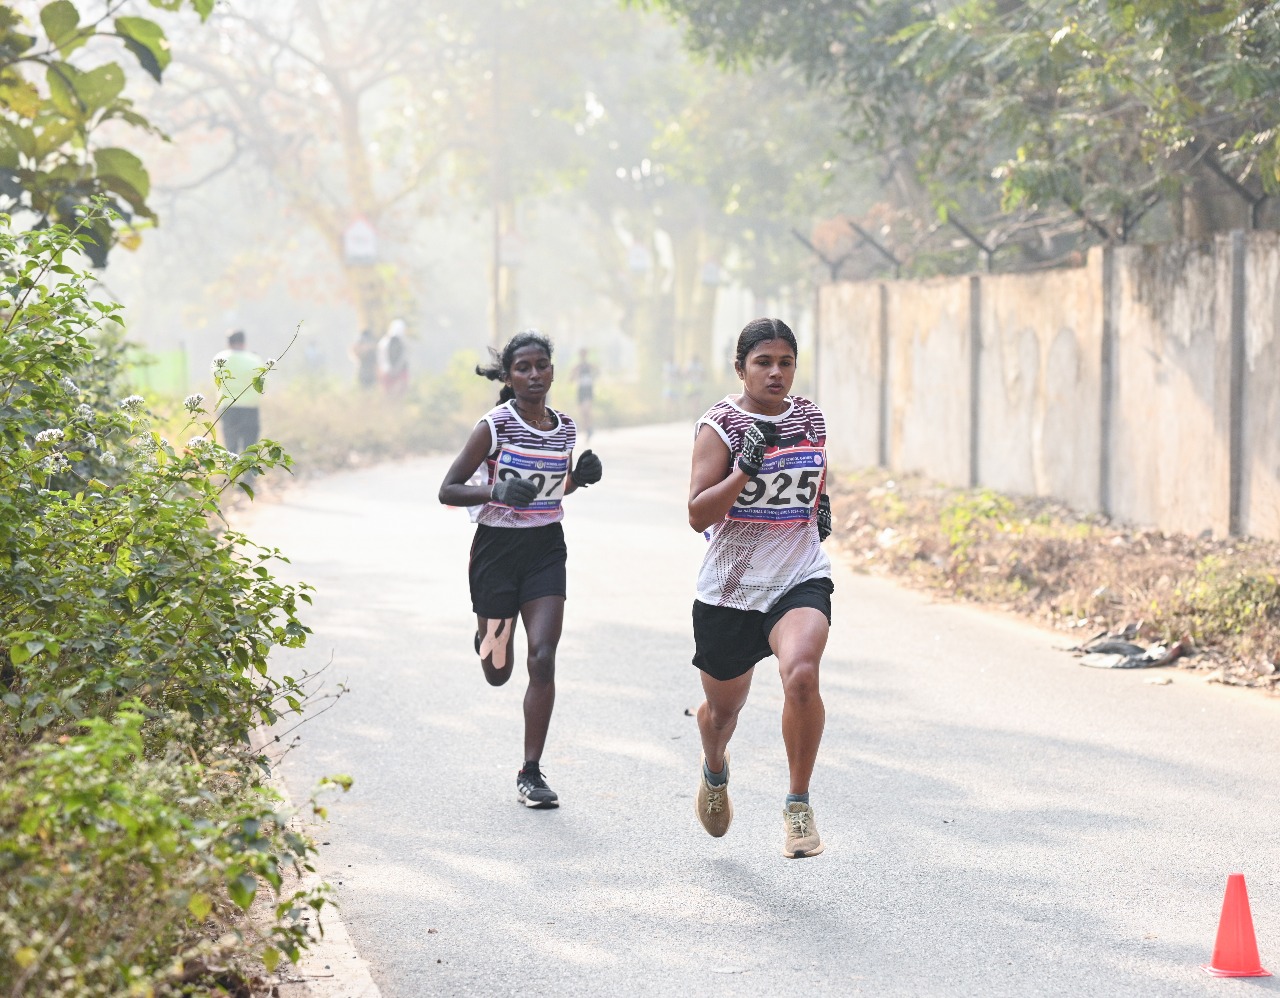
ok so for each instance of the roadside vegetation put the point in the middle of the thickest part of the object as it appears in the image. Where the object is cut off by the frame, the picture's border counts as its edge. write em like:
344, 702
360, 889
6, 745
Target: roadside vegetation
326, 425
137, 823
1083, 574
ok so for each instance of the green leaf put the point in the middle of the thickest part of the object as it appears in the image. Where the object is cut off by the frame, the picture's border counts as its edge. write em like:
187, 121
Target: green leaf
99, 87
271, 959
20, 138
21, 96
62, 91
60, 20
121, 171
200, 906
242, 889
147, 41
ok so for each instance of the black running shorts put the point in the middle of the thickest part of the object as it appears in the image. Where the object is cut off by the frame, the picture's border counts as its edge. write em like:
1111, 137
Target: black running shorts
512, 565
728, 643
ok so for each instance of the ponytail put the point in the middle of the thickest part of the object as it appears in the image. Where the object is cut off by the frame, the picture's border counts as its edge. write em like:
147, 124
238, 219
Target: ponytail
499, 365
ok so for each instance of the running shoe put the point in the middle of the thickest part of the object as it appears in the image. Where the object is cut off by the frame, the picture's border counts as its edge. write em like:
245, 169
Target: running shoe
533, 789
802, 832
712, 803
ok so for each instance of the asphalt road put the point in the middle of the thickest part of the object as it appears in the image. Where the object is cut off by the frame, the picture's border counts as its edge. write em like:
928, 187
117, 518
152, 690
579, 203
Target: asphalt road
998, 820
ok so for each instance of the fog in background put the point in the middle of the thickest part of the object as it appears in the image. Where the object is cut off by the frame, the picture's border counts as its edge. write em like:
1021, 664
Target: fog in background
638, 202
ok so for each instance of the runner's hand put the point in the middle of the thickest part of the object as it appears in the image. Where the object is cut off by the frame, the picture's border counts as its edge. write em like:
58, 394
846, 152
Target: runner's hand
759, 437
824, 517
515, 492
587, 471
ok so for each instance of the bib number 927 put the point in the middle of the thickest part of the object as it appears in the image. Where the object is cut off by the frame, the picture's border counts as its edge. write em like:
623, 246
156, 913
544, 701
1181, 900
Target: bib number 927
547, 470
786, 488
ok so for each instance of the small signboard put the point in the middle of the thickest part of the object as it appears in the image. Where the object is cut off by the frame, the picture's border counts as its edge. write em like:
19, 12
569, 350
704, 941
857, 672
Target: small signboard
360, 243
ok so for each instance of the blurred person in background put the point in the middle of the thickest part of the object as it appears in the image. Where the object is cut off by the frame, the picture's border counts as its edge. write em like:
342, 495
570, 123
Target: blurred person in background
393, 359
670, 388
234, 369
694, 376
364, 351
584, 376
517, 565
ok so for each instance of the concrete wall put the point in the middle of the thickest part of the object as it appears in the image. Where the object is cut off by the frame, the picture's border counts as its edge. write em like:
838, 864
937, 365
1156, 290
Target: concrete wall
1169, 446
929, 378
1145, 384
849, 366
1260, 471
1039, 426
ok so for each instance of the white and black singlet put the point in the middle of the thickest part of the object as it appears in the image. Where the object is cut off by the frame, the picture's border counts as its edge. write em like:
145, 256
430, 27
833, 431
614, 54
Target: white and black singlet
522, 451
768, 542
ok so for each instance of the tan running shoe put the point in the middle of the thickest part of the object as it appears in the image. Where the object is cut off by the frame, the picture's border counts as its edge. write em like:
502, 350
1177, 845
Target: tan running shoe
714, 808
802, 832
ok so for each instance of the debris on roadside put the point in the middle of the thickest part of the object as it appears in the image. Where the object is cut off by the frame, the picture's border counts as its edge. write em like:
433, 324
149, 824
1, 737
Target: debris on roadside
1117, 651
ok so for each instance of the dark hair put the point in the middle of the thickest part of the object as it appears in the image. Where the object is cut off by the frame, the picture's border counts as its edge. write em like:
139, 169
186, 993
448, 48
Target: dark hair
759, 331
235, 337
500, 366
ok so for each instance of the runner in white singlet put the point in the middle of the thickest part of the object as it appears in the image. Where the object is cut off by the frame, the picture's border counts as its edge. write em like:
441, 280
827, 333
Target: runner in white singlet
522, 453
757, 489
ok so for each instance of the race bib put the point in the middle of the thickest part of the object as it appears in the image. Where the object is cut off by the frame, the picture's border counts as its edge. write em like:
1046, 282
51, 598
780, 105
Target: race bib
548, 470
786, 489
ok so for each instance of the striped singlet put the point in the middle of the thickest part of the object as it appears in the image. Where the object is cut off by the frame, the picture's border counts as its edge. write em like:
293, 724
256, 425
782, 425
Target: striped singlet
768, 542
519, 450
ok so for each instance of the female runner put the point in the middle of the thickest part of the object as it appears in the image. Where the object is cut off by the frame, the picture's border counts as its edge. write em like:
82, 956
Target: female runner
518, 554
759, 467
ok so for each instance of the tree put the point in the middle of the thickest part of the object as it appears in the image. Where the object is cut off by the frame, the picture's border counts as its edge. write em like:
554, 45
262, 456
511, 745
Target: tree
57, 94
1097, 109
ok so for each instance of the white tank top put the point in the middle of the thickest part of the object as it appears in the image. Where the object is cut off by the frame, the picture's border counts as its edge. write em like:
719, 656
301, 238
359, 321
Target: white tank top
518, 450
768, 542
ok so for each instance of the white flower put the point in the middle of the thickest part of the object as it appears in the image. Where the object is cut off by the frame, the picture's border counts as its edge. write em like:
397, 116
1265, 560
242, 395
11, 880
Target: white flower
49, 436
192, 403
133, 403
90, 441
195, 443
109, 460
271, 362
220, 362
71, 387
84, 410
55, 462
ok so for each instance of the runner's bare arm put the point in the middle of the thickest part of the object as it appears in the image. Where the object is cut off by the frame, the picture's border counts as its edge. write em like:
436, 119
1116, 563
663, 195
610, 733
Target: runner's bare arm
453, 490
715, 481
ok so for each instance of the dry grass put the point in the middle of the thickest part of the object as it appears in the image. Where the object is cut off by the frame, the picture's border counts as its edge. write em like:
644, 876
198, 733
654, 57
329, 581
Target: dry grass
1082, 574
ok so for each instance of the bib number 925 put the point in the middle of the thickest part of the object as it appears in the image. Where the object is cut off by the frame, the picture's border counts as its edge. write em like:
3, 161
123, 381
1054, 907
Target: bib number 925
782, 489
786, 488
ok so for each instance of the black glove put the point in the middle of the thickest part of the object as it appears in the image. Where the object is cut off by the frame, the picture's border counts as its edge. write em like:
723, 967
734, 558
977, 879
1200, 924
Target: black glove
824, 517
759, 437
587, 471
516, 492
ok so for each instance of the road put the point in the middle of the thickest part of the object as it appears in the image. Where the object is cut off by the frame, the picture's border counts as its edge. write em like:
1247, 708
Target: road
997, 819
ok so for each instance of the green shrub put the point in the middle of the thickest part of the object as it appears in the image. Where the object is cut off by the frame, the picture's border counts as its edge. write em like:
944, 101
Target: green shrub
134, 636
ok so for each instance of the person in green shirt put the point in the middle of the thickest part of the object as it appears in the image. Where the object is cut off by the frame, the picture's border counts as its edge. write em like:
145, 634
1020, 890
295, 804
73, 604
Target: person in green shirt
237, 397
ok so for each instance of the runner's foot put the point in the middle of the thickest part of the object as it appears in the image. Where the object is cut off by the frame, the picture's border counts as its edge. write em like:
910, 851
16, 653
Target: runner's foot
712, 803
802, 832
533, 789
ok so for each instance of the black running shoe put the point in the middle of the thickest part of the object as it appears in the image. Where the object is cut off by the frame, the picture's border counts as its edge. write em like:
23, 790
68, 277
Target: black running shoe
533, 789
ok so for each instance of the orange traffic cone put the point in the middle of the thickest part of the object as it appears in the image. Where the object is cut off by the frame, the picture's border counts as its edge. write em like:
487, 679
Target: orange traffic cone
1235, 953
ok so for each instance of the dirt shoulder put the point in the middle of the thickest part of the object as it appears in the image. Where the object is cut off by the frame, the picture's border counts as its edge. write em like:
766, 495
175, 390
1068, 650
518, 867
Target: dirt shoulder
1212, 605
